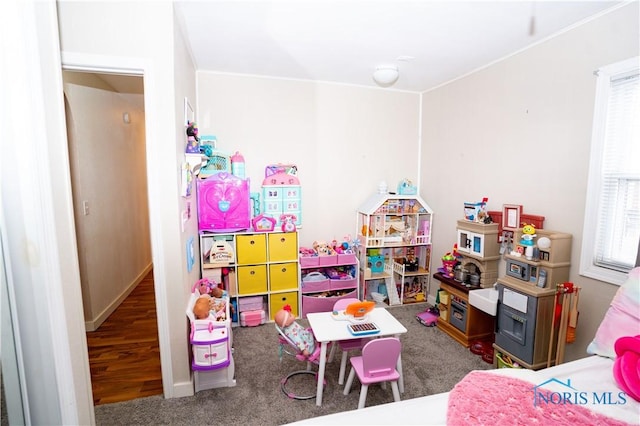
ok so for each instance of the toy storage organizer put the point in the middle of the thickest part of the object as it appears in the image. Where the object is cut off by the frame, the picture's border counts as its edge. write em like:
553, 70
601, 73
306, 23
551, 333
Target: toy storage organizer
327, 279
212, 354
259, 271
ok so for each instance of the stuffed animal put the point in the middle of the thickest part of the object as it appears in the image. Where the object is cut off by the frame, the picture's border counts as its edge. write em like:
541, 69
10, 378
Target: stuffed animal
322, 248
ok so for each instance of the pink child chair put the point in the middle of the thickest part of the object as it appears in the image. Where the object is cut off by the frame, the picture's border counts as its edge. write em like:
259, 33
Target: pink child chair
346, 345
376, 365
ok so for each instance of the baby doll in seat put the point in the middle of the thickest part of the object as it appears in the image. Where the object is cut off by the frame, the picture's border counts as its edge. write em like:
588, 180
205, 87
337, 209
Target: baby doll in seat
301, 337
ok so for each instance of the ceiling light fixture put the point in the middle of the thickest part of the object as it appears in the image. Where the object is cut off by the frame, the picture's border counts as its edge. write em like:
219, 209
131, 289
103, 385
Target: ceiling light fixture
385, 75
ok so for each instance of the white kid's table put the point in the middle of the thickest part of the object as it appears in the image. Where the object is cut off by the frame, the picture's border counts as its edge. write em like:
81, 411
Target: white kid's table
327, 329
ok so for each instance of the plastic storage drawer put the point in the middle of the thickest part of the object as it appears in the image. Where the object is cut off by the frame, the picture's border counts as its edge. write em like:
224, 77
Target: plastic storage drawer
252, 318
252, 303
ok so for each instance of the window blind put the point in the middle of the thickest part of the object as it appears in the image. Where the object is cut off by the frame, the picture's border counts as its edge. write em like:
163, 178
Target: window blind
618, 224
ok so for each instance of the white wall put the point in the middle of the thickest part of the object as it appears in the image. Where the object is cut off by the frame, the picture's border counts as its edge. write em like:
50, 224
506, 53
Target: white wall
141, 35
36, 224
519, 132
344, 140
109, 173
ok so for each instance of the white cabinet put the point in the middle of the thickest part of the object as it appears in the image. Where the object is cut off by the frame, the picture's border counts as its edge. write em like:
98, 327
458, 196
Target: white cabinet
253, 266
395, 248
473, 239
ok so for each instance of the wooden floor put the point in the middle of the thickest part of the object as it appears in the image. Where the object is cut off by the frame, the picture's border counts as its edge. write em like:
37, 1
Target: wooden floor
124, 355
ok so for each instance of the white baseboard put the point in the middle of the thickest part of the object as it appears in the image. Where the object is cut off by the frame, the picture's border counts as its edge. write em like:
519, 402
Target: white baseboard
182, 389
94, 324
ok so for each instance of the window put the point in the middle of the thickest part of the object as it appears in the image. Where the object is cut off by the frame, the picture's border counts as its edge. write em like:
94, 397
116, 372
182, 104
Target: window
612, 216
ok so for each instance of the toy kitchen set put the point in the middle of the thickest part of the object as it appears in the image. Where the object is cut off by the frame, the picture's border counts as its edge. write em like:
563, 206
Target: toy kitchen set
515, 311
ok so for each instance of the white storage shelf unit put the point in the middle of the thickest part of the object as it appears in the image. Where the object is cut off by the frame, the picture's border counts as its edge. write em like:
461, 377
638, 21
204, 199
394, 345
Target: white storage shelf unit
320, 291
395, 251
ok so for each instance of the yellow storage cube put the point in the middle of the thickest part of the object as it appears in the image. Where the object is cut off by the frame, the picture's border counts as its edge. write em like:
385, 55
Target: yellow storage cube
252, 279
283, 246
251, 249
278, 300
283, 276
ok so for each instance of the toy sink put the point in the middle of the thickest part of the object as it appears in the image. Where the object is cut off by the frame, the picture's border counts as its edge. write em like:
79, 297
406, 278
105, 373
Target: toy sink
485, 299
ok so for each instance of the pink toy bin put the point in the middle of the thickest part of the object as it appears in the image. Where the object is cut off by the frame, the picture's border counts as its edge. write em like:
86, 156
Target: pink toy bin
315, 281
328, 260
346, 259
343, 284
309, 261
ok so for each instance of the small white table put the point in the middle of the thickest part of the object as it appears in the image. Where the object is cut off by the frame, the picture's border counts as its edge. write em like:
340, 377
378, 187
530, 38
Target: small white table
327, 329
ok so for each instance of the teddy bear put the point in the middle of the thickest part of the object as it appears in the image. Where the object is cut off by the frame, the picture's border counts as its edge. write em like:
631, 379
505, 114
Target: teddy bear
322, 248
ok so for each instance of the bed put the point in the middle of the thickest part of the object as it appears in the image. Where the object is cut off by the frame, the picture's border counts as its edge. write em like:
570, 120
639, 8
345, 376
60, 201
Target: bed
585, 391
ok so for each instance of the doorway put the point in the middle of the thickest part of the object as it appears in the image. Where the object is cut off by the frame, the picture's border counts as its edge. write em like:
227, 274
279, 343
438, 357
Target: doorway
107, 151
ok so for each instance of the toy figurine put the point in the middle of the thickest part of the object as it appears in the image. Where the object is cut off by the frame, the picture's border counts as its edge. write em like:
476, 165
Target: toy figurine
297, 334
288, 222
193, 141
528, 234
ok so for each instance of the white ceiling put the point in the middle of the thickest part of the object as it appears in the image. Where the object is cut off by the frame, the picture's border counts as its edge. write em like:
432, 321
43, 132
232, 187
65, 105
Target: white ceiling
431, 42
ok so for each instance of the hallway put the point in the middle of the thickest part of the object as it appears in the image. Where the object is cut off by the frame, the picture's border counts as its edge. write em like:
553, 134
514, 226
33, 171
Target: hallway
124, 354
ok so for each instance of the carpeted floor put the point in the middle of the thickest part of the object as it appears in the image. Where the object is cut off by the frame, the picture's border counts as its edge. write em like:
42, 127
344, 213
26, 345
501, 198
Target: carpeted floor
432, 363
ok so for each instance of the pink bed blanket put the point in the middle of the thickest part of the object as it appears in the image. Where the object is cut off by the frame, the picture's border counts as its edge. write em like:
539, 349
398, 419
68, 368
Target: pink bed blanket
483, 398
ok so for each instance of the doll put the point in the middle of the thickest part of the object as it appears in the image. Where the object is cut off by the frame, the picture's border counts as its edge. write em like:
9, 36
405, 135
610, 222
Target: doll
297, 334
193, 141
201, 308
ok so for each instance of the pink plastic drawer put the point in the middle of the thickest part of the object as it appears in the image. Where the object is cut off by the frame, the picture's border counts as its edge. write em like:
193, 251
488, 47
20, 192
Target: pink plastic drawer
309, 261
331, 259
252, 318
343, 284
312, 304
346, 259
250, 303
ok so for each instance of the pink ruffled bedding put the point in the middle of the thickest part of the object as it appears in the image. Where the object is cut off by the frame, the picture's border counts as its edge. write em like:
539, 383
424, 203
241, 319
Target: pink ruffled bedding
482, 398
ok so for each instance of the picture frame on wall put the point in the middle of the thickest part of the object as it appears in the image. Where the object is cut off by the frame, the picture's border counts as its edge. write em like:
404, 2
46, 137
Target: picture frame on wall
511, 216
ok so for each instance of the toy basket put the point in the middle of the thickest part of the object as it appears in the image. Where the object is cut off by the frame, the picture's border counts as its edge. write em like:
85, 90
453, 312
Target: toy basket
505, 362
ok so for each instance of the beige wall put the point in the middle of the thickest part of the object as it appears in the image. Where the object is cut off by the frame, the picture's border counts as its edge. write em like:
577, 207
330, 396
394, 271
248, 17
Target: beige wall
108, 168
519, 132
344, 140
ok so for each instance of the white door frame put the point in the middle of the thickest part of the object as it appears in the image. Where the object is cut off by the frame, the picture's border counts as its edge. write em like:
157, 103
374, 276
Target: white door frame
137, 66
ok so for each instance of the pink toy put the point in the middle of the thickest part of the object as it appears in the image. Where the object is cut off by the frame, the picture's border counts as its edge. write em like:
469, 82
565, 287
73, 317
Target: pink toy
288, 222
224, 203
281, 174
626, 368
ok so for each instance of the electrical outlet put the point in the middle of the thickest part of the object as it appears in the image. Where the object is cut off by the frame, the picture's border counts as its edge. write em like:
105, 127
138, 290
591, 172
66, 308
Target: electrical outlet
85, 208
